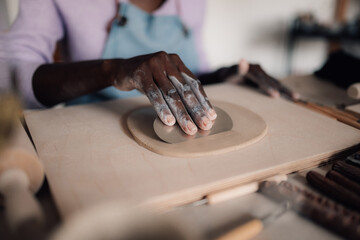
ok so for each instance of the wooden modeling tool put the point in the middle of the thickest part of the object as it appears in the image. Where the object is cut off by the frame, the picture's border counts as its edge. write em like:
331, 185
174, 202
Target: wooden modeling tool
21, 175
343, 116
174, 134
235, 192
255, 226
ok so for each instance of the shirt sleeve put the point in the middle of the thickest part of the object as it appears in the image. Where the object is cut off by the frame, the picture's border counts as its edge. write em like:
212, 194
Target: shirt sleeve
30, 42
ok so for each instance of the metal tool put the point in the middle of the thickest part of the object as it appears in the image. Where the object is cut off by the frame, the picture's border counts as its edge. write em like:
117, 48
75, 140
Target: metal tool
174, 134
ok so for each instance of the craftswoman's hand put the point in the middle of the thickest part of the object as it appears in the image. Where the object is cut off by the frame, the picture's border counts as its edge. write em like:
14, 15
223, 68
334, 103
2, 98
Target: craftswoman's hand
253, 73
175, 93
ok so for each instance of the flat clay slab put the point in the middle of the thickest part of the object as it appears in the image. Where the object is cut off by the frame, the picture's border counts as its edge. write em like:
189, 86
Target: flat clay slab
248, 128
90, 156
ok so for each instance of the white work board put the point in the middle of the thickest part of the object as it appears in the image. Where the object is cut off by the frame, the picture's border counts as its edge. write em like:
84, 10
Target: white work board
91, 157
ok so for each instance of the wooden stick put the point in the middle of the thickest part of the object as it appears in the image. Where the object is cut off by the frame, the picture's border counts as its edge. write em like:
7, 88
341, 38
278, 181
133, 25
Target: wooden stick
337, 114
355, 114
239, 191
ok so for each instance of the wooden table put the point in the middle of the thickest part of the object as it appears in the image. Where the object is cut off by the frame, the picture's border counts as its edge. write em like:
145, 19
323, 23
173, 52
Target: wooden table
215, 219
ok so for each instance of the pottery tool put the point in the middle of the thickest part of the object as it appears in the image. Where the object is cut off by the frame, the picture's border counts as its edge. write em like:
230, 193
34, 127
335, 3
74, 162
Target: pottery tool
338, 114
327, 213
234, 192
347, 170
174, 134
333, 190
344, 181
21, 175
253, 227
354, 159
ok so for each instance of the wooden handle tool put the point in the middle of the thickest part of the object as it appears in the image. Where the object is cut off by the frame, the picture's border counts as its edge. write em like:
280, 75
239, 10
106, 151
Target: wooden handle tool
253, 227
239, 191
234, 192
21, 175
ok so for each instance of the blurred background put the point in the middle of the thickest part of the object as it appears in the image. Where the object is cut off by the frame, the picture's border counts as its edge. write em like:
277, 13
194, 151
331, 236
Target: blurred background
258, 30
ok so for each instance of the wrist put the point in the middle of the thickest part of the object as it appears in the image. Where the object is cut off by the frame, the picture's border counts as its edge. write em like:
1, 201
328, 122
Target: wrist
112, 69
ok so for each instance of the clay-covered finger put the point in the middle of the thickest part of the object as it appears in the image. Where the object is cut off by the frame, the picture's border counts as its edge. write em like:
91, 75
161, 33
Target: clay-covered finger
189, 99
156, 99
195, 85
199, 92
174, 102
191, 102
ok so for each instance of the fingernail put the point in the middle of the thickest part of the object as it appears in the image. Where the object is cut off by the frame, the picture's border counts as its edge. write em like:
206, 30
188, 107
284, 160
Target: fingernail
207, 124
170, 120
212, 114
192, 128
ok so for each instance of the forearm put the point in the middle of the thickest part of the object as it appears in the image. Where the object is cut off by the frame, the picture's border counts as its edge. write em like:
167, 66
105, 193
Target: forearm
61, 82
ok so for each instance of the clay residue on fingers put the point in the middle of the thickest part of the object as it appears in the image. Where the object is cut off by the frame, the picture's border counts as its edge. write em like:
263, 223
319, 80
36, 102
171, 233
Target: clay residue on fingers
194, 106
204, 101
161, 107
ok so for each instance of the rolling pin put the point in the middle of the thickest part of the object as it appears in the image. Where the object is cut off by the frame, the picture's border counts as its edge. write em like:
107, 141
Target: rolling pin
234, 192
21, 175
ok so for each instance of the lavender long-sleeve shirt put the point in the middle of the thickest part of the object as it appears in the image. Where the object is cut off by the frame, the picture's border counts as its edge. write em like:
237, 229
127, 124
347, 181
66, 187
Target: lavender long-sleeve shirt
81, 25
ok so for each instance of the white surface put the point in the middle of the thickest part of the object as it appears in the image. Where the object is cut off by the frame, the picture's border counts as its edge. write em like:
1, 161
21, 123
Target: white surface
257, 30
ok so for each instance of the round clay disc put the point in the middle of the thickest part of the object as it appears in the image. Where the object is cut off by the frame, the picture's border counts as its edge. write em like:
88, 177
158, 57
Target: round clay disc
248, 128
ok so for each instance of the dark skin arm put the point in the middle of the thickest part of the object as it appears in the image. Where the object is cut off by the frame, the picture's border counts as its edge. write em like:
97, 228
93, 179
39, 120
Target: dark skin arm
170, 86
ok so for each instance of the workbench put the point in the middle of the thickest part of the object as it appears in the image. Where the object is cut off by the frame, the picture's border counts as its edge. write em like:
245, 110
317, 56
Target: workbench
215, 219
